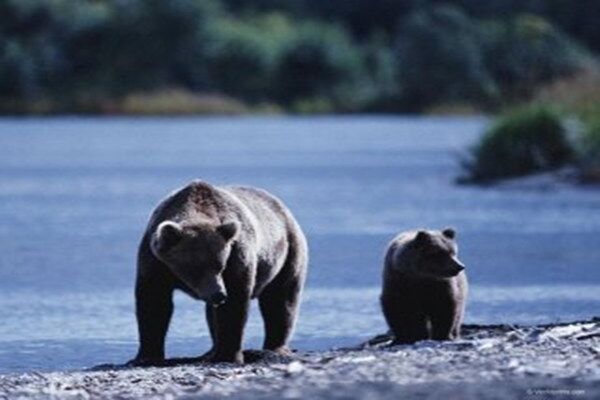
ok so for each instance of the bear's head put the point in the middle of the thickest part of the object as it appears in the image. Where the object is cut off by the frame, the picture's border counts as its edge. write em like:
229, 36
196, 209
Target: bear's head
433, 254
197, 255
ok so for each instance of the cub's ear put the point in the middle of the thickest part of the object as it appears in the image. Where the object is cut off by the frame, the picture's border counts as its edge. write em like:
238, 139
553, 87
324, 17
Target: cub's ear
167, 235
228, 230
421, 237
449, 233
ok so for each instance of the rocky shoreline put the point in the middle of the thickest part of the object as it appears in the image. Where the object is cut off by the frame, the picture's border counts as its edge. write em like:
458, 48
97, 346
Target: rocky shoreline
495, 361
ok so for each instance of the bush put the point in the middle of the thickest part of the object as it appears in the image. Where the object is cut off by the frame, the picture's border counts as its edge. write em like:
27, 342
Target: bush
528, 140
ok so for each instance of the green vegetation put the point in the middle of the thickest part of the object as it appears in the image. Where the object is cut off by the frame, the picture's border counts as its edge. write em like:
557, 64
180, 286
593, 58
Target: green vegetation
301, 56
579, 96
441, 59
319, 64
527, 140
527, 52
589, 151
534, 139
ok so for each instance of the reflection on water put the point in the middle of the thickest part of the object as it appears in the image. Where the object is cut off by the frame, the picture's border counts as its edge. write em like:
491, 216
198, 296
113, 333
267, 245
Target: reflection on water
75, 195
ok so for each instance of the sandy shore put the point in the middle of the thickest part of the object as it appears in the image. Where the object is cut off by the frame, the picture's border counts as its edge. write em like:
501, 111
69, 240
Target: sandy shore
500, 362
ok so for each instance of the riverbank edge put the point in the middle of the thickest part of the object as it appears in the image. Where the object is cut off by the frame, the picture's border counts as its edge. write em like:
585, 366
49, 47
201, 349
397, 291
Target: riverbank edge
498, 361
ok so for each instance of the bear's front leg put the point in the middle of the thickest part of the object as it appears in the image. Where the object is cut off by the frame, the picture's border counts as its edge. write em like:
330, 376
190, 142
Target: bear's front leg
154, 307
210, 322
229, 321
229, 318
406, 321
443, 321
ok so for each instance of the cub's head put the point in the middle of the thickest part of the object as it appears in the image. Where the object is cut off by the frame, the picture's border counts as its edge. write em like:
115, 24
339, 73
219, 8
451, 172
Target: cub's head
197, 255
433, 254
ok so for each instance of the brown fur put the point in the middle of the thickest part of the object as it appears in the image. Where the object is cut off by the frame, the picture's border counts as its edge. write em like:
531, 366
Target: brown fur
223, 245
424, 287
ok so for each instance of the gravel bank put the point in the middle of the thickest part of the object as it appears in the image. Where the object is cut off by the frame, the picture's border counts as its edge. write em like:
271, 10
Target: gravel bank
500, 362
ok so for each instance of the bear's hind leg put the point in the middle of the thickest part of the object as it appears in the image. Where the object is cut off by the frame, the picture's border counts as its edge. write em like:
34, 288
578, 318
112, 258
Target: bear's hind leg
278, 306
279, 303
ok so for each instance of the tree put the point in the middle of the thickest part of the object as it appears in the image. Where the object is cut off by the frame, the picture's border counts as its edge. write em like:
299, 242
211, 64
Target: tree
441, 59
31, 41
141, 44
528, 51
319, 62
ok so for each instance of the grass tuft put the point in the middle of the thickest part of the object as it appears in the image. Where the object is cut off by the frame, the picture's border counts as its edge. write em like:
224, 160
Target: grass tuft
179, 102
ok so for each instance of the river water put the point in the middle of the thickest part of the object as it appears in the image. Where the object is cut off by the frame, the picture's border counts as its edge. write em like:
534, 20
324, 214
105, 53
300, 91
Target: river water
75, 195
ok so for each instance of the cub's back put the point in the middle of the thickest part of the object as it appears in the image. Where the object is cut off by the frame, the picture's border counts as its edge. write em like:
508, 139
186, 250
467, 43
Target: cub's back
395, 248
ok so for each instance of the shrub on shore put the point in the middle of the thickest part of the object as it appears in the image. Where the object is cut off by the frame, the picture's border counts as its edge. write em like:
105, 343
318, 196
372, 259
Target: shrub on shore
528, 140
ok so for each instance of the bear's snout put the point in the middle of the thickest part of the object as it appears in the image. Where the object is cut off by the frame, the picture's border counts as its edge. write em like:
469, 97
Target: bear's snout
218, 299
458, 265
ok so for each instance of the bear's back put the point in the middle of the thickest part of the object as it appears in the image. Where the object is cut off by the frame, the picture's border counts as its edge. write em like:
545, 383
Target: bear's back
259, 201
396, 251
272, 218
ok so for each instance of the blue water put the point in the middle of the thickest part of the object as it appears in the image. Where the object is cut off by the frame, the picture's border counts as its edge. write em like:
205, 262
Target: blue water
75, 195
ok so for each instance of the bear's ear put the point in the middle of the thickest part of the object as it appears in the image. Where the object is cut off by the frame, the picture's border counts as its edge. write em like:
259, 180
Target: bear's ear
421, 237
449, 233
228, 230
168, 234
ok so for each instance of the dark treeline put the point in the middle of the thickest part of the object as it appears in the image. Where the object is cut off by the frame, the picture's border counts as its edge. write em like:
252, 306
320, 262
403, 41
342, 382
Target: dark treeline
300, 55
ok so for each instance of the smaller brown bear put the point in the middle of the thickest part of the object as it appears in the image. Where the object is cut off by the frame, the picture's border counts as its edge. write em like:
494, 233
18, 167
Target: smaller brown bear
424, 286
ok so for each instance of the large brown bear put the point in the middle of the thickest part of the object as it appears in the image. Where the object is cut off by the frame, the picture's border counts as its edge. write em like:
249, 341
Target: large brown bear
424, 286
226, 246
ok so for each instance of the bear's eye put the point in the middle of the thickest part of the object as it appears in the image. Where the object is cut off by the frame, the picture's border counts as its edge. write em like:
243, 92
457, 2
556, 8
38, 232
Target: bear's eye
439, 253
